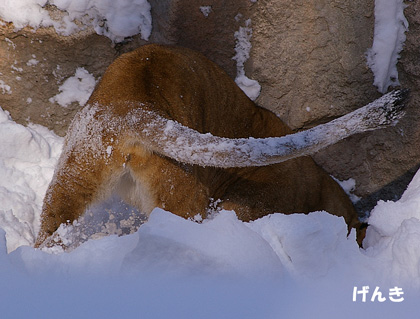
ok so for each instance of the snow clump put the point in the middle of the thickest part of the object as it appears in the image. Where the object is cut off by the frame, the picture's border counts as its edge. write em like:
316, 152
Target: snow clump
77, 88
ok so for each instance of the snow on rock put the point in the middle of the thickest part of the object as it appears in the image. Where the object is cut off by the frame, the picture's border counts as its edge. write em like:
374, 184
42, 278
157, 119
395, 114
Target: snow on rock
114, 19
388, 41
5, 89
206, 10
77, 88
251, 87
243, 47
349, 186
24, 12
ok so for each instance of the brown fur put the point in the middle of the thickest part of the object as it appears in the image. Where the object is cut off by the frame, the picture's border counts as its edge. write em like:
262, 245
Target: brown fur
181, 85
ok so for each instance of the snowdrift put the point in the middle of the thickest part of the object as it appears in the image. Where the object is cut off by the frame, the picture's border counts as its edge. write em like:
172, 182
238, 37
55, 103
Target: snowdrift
222, 267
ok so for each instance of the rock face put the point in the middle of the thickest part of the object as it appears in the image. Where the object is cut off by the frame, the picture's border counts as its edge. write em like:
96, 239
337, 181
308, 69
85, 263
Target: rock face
384, 162
206, 26
35, 64
308, 56
29, 86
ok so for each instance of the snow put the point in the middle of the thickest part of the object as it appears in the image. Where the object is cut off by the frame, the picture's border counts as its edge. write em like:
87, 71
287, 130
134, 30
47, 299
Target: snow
77, 88
206, 10
280, 265
5, 89
296, 266
349, 186
114, 19
242, 50
32, 62
27, 161
388, 41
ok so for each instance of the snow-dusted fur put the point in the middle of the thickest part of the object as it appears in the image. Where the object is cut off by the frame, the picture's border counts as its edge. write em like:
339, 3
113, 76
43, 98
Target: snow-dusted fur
167, 128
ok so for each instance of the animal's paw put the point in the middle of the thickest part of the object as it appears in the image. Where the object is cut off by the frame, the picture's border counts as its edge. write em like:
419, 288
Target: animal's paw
60, 241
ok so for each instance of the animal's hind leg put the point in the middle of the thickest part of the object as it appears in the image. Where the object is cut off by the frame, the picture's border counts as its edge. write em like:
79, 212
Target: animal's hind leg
79, 179
336, 202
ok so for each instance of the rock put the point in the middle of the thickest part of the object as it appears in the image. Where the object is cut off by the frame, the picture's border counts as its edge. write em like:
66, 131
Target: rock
308, 56
206, 26
35, 64
28, 87
383, 162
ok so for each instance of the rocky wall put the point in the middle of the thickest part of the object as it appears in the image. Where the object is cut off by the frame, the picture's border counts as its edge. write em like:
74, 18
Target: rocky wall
308, 56
384, 162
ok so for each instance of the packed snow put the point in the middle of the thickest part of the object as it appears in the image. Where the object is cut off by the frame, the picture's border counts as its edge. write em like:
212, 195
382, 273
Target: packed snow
114, 19
388, 41
278, 265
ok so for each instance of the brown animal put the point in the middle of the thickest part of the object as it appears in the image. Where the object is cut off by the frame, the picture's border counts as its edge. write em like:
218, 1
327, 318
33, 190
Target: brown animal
145, 130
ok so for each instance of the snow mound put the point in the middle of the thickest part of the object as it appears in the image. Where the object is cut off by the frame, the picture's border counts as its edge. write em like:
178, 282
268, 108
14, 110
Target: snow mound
261, 269
28, 156
394, 235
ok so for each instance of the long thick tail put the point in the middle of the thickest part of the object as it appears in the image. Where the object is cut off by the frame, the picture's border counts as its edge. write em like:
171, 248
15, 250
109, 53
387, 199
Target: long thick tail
186, 145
